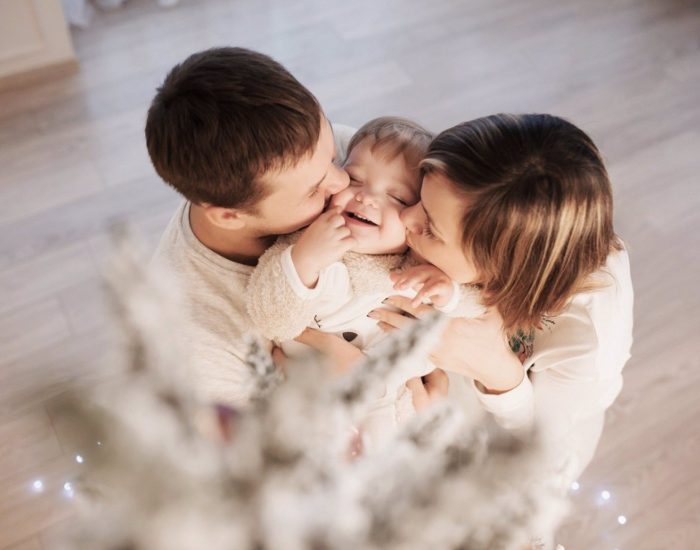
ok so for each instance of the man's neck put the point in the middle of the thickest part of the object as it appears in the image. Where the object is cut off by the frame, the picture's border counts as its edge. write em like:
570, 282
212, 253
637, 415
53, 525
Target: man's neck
236, 245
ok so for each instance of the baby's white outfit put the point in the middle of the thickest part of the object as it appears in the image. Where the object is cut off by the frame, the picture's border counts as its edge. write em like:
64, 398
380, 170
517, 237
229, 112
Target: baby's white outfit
281, 307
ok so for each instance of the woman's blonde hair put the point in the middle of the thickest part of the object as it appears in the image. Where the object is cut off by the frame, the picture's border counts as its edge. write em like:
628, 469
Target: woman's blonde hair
538, 216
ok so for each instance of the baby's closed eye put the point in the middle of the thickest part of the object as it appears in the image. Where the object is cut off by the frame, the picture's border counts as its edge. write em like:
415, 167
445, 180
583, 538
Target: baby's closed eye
401, 201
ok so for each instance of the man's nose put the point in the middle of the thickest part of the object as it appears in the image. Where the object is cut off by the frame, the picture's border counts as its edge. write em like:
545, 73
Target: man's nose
412, 218
337, 180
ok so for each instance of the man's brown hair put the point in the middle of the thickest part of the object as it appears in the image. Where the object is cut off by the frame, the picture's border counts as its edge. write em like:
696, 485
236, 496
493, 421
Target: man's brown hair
222, 118
538, 216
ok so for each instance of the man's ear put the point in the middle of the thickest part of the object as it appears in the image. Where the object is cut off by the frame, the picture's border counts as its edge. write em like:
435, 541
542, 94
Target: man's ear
231, 219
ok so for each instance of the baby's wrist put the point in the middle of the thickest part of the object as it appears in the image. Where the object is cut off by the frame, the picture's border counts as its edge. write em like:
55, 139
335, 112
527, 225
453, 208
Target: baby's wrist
308, 273
441, 300
448, 298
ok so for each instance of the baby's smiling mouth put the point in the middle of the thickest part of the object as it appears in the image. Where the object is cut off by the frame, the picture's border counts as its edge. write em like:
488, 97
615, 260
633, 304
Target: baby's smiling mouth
360, 218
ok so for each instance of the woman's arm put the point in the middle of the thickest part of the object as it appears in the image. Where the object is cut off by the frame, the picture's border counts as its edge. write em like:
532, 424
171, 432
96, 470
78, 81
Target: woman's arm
573, 376
566, 384
478, 349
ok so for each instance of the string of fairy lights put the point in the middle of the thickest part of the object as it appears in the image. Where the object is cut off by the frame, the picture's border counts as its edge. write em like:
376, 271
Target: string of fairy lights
602, 497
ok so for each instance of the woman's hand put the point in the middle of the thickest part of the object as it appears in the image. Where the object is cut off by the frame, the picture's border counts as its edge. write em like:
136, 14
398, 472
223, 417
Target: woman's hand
342, 354
477, 348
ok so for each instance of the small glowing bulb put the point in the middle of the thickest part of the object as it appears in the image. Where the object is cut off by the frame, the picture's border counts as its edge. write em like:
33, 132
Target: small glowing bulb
99, 443
38, 486
575, 486
67, 486
79, 459
621, 520
605, 495
68, 489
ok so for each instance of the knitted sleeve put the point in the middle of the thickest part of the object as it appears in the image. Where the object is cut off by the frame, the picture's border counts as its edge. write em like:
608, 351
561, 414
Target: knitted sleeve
276, 309
465, 302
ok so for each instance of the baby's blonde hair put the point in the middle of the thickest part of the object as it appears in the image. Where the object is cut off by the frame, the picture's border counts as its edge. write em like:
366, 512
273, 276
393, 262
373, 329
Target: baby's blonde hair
395, 136
538, 210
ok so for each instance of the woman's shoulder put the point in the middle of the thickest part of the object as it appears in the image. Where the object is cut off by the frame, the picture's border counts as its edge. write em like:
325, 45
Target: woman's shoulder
596, 322
610, 284
616, 271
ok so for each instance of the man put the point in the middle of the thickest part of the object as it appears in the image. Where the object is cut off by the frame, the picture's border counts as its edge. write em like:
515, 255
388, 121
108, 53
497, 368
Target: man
252, 152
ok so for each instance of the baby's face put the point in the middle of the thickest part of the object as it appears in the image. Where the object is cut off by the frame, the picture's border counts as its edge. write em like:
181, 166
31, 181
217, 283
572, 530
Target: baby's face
379, 190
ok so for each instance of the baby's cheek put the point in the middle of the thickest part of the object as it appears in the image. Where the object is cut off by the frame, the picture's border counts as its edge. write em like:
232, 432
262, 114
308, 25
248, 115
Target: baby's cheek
394, 226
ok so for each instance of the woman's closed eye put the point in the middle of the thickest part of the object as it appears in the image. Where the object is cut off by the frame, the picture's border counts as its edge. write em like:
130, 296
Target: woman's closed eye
428, 233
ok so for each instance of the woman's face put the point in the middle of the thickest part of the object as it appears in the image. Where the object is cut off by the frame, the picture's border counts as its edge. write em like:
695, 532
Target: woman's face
434, 228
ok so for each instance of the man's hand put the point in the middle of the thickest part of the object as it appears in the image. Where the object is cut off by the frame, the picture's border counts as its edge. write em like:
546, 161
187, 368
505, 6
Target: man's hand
428, 389
342, 354
279, 359
428, 281
322, 243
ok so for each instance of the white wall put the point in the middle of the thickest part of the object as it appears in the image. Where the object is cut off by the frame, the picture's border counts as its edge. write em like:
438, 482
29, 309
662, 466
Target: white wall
33, 35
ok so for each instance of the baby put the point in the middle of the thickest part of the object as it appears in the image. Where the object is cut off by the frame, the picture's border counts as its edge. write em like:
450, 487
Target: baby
330, 275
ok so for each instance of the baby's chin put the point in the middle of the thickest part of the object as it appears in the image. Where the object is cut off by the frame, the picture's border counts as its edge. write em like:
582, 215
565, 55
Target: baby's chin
368, 245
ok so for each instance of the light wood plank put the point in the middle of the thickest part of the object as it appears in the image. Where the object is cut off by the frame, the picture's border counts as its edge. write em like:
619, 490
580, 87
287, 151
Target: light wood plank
72, 160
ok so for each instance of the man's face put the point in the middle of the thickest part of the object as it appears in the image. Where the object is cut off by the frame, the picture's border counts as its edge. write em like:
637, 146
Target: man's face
300, 193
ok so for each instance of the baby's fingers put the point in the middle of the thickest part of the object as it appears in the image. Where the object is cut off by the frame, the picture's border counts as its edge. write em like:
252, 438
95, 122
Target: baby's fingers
401, 277
348, 243
410, 281
342, 232
425, 291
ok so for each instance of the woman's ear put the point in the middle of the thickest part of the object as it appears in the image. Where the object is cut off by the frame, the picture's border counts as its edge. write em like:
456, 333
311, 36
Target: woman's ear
231, 219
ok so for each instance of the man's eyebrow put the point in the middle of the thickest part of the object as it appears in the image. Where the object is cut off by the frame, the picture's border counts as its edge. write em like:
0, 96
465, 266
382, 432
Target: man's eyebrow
318, 184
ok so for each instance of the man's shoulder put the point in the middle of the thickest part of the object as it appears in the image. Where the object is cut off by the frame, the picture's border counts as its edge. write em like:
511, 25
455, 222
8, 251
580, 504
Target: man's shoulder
171, 238
199, 270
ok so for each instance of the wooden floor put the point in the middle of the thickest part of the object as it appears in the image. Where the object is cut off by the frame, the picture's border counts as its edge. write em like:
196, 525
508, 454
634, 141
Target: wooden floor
72, 159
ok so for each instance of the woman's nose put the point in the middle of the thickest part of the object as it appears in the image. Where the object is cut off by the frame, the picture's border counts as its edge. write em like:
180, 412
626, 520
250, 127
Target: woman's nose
411, 218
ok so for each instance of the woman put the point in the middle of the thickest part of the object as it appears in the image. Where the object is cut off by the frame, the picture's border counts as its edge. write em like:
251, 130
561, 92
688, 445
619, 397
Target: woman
522, 207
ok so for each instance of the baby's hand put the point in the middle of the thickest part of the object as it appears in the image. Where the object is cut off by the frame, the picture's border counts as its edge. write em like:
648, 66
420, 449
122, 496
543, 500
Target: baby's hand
322, 243
428, 281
